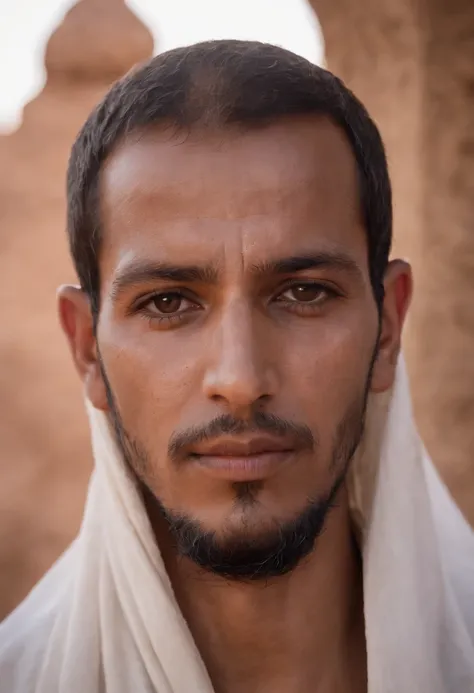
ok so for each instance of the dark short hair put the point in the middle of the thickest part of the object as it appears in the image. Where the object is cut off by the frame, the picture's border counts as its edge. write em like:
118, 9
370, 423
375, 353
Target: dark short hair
219, 84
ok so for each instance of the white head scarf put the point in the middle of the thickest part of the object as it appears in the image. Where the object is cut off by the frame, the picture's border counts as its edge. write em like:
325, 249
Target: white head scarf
104, 619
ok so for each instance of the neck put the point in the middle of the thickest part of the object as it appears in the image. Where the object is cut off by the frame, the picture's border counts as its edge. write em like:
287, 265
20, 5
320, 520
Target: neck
300, 632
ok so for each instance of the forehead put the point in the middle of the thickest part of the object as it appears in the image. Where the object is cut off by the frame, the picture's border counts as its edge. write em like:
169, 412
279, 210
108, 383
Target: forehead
259, 190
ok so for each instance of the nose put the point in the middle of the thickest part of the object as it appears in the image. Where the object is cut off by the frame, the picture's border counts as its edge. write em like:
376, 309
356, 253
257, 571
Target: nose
241, 372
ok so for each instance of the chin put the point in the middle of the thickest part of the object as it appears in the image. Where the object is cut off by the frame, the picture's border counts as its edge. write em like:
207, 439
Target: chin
250, 544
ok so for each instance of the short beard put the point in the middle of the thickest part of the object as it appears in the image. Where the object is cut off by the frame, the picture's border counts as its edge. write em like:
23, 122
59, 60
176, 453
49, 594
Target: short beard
249, 558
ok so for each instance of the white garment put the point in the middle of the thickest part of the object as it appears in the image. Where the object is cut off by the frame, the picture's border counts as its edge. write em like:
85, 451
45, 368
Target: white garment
104, 619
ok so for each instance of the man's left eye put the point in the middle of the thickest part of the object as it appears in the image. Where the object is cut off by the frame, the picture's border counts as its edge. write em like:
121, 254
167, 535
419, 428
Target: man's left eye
305, 293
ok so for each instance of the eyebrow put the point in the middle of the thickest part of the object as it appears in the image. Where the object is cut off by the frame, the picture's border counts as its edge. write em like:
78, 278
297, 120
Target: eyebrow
339, 261
140, 272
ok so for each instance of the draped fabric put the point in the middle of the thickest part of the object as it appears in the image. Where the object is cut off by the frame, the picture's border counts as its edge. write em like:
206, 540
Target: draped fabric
104, 619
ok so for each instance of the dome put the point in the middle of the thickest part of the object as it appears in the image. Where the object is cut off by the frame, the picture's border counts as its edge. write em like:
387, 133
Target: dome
98, 40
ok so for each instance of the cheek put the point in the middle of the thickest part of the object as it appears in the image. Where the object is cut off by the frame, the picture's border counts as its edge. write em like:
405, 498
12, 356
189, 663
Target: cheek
328, 363
151, 375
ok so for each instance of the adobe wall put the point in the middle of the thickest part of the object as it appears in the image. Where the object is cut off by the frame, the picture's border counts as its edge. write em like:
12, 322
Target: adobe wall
412, 64
45, 456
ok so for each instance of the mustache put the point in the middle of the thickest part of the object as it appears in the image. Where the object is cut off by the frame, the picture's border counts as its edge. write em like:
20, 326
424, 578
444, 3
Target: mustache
226, 424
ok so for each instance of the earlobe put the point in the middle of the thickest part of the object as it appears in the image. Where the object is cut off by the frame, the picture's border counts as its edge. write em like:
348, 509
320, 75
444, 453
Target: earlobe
77, 323
398, 291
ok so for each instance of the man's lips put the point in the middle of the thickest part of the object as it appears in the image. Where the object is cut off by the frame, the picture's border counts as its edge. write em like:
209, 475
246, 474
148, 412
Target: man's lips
241, 447
243, 459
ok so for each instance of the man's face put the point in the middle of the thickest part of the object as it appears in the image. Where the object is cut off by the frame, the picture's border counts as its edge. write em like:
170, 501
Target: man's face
238, 327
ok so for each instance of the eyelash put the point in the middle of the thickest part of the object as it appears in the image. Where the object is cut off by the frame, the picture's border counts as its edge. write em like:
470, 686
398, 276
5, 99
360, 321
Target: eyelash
155, 318
305, 308
294, 306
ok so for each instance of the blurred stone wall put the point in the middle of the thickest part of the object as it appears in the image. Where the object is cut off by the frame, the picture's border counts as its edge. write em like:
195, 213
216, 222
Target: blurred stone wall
412, 64
45, 460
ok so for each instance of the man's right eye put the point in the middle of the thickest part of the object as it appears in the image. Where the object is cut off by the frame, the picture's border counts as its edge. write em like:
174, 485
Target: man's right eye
167, 306
168, 303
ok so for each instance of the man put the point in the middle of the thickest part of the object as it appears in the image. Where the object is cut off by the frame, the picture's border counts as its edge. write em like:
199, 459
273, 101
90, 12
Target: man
237, 330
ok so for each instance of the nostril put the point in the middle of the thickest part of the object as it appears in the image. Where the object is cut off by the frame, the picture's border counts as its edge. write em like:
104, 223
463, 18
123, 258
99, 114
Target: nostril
263, 399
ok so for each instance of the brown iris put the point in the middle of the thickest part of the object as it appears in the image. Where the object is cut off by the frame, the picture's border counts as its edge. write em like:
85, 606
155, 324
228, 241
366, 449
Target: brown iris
167, 303
306, 293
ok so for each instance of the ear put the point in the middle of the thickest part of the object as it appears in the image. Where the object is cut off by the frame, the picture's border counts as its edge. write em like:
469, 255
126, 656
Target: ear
398, 284
77, 322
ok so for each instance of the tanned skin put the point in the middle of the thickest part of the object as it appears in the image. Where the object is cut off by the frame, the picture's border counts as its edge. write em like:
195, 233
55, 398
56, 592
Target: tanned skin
207, 310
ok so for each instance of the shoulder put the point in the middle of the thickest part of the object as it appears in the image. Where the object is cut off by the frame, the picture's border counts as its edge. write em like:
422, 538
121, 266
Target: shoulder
25, 633
456, 545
